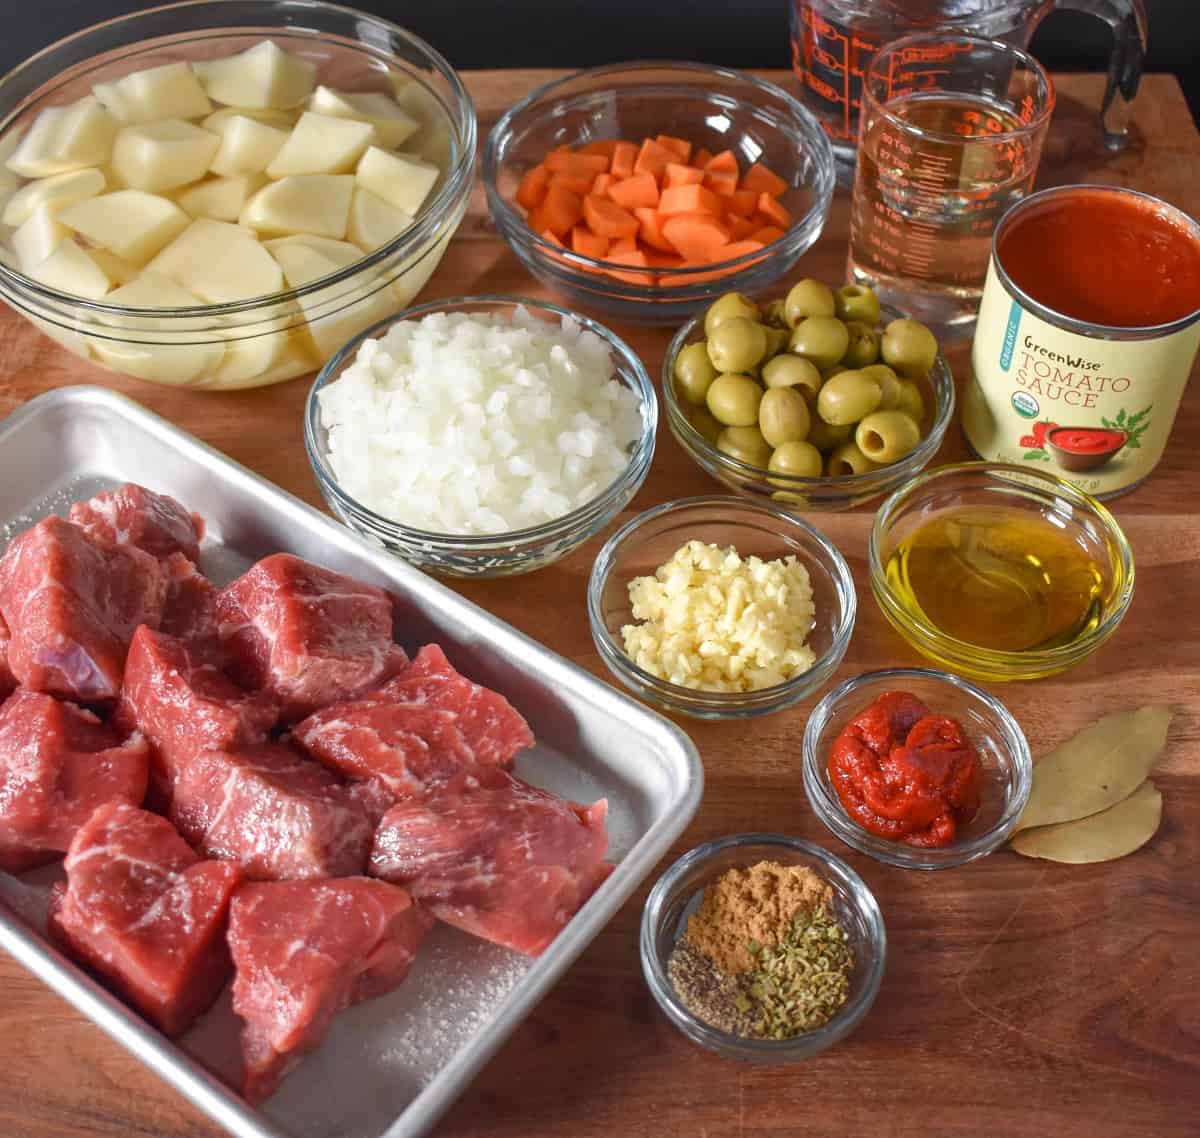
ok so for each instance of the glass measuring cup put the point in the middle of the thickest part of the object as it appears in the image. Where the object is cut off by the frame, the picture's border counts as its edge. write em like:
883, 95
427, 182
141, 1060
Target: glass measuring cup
951, 133
834, 41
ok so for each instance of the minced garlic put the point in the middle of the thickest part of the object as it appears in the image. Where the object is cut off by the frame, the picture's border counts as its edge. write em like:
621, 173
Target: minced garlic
712, 621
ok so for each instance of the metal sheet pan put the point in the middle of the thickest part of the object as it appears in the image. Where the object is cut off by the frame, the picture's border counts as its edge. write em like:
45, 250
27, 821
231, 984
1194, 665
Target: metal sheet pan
391, 1066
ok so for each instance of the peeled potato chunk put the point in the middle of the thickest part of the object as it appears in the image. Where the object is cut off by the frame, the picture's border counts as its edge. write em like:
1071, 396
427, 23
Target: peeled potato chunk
38, 237
69, 269
391, 124
285, 120
322, 144
117, 269
401, 180
373, 222
54, 193
63, 139
171, 91
262, 76
222, 199
131, 223
161, 156
302, 203
247, 146
219, 262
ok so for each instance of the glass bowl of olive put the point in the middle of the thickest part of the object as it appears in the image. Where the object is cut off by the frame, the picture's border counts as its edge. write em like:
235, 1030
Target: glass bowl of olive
820, 399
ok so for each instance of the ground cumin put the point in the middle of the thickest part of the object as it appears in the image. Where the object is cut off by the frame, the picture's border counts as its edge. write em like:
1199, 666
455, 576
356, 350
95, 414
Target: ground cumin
752, 904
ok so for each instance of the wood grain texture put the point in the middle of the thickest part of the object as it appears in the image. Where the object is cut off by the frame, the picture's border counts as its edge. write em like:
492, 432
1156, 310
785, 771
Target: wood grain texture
1021, 999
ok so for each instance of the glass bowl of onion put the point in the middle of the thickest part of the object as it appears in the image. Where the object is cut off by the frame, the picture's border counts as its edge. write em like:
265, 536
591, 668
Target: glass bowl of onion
481, 436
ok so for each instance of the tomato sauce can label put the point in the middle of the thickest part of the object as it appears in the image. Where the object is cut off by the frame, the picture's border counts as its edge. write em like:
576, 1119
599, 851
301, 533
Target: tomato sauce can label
1094, 404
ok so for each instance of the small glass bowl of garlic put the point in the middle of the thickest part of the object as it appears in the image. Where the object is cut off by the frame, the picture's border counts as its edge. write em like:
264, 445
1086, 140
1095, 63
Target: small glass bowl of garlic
721, 608
199, 196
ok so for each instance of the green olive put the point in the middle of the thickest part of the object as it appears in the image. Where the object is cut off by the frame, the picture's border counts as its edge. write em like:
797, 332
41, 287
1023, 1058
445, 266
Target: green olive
845, 398
822, 339
733, 400
909, 348
825, 437
808, 298
702, 419
693, 373
887, 436
731, 304
857, 302
789, 497
745, 444
777, 340
773, 313
830, 372
848, 459
783, 416
911, 402
737, 344
863, 348
799, 459
889, 385
793, 371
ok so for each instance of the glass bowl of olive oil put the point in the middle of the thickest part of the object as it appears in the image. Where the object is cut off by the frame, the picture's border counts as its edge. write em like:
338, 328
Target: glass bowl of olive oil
1000, 572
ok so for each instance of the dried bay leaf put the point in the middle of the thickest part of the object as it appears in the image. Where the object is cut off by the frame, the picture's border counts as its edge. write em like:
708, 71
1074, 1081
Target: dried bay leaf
1112, 833
1097, 768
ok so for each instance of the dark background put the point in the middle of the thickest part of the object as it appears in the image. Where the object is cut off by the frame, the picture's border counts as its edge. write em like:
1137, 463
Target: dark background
580, 33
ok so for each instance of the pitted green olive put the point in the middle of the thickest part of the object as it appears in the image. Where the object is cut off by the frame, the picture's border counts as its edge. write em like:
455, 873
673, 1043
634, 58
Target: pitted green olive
733, 400
788, 370
737, 344
887, 436
822, 339
911, 402
848, 459
799, 459
693, 372
863, 348
777, 340
746, 444
731, 304
807, 298
909, 348
773, 313
783, 416
857, 302
825, 437
846, 398
702, 419
889, 385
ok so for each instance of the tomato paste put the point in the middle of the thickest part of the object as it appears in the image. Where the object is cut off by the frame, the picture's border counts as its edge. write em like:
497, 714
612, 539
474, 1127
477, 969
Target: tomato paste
904, 773
1088, 440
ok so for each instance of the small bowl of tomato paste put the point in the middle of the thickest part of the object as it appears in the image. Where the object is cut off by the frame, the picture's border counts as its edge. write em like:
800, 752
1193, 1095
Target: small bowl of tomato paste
920, 769
1084, 448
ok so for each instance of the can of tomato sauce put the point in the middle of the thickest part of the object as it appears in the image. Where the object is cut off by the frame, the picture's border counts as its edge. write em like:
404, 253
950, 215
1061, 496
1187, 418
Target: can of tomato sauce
1088, 327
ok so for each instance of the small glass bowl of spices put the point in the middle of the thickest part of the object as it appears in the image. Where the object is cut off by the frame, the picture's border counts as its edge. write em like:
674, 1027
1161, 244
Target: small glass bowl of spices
763, 947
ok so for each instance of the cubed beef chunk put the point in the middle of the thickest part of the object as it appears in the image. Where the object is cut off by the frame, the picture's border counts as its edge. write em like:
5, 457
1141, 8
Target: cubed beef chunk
8, 682
190, 610
133, 515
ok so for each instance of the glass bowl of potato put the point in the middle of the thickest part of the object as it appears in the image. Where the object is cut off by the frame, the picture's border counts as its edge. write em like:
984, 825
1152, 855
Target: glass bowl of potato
220, 194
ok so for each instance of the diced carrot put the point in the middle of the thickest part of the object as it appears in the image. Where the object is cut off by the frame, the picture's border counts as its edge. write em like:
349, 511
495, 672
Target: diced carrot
723, 182
774, 213
561, 209
604, 146
587, 244
658, 260
635, 258
623, 157
679, 175
653, 158
549, 235
557, 158
739, 249
607, 219
700, 277
696, 236
702, 158
767, 234
532, 189
623, 245
723, 163
639, 190
572, 163
690, 199
680, 147
763, 181
650, 229
740, 228
601, 184
743, 203
577, 183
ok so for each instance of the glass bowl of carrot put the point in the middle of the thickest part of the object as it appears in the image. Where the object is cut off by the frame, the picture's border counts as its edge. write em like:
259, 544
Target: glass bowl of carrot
640, 189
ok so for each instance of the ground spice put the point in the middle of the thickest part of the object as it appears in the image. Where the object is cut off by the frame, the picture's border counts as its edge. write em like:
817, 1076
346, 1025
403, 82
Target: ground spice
752, 905
709, 994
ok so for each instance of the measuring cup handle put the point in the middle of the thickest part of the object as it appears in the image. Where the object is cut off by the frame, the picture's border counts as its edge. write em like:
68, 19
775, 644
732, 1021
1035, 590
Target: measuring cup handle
1127, 18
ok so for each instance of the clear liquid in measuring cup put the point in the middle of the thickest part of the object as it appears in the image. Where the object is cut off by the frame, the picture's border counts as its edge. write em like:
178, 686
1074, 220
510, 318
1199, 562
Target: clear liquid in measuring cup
927, 198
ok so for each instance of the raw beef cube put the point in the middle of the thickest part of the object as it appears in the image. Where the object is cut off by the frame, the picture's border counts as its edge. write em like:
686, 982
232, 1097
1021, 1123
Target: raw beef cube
72, 604
402, 748
495, 857
191, 606
177, 695
8, 682
57, 764
303, 951
142, 910
133, 515
495, 731
306, 634
274, 812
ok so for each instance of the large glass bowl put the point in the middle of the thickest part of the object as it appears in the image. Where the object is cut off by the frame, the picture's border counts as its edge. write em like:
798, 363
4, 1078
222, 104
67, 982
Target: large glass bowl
676, 895
263, 340
752, 528
490, 555
792, 491
713, 107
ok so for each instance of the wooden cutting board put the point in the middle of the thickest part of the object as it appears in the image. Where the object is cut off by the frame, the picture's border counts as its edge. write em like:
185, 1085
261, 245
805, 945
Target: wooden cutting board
1021, 999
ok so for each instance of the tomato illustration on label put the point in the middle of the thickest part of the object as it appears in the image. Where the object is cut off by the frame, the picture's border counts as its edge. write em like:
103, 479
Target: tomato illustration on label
1035, 442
